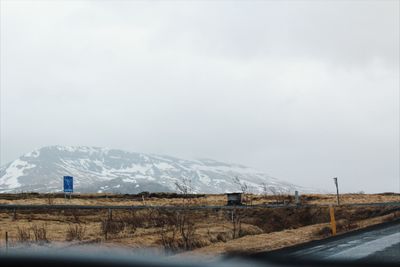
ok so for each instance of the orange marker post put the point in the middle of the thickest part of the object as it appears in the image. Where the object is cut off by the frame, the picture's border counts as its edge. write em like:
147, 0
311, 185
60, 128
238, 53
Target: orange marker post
333, 221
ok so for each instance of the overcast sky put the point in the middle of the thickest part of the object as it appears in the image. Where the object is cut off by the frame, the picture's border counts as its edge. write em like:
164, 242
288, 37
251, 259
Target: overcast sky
304, 91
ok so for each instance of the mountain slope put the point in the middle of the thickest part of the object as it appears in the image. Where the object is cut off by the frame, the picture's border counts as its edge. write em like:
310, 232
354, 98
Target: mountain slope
109, 170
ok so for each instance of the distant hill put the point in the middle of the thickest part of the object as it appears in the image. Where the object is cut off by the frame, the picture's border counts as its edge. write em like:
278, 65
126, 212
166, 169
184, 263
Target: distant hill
110, 170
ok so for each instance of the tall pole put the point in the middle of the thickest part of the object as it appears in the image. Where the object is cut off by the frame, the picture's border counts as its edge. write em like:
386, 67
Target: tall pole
333, 221
337, 190
6, 242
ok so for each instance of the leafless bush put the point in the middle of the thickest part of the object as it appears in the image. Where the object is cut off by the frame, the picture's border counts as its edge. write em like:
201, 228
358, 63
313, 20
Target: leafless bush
168, 237
244, 188
242, 185
50, 199
133, 221
185, 188
221, 237
177, 230
109, 226
235, 216
75, 232
23, 234
187, 229
152, 218
40, 233
75, 216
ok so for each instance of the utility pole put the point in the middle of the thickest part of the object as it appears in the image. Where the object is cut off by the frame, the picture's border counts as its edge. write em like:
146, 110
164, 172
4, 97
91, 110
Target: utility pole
337, 190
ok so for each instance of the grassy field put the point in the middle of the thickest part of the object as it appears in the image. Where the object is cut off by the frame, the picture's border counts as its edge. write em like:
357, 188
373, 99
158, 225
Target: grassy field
156, 199
185, 232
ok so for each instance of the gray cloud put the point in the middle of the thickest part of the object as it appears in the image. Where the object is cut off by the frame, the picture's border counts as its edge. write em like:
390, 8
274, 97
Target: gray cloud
302, 90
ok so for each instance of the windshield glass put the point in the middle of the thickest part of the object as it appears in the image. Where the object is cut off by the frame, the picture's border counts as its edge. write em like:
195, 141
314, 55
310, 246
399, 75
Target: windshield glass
201, 129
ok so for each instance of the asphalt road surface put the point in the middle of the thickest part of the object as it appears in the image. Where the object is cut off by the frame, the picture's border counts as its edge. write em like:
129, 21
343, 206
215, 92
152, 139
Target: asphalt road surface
378, 244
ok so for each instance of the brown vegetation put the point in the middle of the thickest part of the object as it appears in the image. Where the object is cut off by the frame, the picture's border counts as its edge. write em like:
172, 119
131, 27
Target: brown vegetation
75, 232
155, 199
275, 240
175, 231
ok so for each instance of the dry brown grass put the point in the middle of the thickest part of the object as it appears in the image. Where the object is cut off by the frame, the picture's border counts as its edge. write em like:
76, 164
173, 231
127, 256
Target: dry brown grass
75, 232
275, 240
202, 200
207, 231
350, 198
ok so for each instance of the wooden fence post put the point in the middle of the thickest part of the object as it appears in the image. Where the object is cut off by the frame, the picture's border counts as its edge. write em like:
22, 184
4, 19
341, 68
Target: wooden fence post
6, 242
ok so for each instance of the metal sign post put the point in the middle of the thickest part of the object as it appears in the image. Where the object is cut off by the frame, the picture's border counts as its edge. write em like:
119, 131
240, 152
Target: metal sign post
297, 198
68, 186
337, 190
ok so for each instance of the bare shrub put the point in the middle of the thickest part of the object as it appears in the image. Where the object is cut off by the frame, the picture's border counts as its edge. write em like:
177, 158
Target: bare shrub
75, 232
76, 217
23, 234
168, 237
184, 186
167, 222
221, 237
243, 187
177, 230
50, 199
187, 230
109, 226
324, 231
14, 216
235, 216
40, 233
151, 218
133, 221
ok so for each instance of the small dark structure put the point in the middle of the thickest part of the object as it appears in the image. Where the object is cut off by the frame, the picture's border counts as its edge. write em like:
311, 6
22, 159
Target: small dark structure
234, 199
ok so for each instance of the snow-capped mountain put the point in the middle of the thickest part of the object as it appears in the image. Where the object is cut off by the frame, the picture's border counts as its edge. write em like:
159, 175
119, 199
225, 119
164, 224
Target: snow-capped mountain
109, 170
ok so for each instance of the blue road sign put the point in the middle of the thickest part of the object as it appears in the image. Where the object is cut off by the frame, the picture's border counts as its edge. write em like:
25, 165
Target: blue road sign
68, 184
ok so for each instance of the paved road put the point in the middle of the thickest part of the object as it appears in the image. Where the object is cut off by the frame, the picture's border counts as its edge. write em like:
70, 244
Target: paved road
381, 244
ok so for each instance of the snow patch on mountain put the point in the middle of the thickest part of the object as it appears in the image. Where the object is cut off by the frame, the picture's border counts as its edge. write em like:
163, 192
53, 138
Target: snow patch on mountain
110, 170
16, 169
